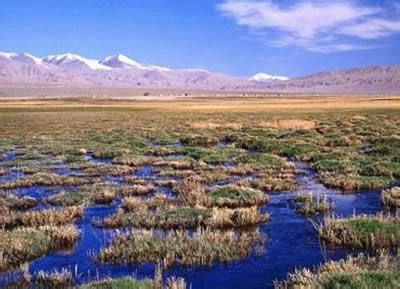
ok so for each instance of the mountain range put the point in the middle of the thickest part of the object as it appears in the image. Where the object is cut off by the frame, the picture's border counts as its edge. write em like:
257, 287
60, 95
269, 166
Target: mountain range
72, 70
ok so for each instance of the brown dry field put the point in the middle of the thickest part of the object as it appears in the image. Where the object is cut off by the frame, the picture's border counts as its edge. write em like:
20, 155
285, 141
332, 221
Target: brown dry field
207, 104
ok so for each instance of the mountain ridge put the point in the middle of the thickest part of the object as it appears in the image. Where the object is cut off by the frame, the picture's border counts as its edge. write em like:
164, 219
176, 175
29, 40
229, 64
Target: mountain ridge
120, 71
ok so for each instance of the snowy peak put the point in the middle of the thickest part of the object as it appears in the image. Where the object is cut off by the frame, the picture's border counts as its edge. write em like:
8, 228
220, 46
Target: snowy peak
122, 61
7, 55
264, 77
25, 58
74, 61
28, 58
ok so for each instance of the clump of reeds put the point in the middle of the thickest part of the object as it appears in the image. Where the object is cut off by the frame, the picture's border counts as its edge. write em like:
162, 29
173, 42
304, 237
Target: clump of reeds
140, 214
364, 231
175, 164
241, 217
134, 161
136, 190
391, 198
108, 153
175, 283
20, 204
134, 180
353, 272
132, 282
46, 179
67, 199
203, 247
25, 244
124, 282
103, 197
235, 196
180, 217
108, 170
207, 176
41, 218
241, 169
191, 192
55, 279
310, 204
169, 172
166, 183
269, 183
159, 201
135, 204
200, 140
161, 151
100, 193
32, 155
353, 182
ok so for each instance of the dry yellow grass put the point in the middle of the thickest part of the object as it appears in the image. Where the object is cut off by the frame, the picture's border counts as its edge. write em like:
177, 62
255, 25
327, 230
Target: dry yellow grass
291, 103
290, 124
212, 125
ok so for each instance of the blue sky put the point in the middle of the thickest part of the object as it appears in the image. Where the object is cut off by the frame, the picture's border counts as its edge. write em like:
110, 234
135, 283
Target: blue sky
237, 37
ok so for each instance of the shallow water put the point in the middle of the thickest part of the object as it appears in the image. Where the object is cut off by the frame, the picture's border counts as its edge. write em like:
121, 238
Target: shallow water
292, 240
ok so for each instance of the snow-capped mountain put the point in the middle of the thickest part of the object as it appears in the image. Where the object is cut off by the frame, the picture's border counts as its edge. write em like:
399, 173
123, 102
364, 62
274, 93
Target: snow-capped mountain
120, 71
76, 62
23, 57
112, 71
264, 77
122, 61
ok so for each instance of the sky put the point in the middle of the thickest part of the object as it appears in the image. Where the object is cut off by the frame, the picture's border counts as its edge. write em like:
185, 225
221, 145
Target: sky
236, 37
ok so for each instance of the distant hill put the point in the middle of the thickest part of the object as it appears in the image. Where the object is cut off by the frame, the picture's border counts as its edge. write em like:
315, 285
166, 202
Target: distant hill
71, 70
368, 80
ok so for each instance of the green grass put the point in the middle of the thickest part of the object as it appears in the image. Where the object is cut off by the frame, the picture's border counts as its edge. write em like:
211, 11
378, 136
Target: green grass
121, 283
75, 198
353, 272
353, 182
373, 226
362, 280
234, 196
212, 156
364, 231
263, 161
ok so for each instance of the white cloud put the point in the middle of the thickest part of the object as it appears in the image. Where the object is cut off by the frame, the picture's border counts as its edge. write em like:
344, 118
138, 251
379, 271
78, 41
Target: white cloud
372, 28
314, 25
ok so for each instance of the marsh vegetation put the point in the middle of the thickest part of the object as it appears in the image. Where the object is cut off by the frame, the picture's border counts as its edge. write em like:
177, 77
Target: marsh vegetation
124, 189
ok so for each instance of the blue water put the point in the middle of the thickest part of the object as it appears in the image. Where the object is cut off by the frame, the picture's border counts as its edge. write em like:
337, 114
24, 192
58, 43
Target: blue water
292, 240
